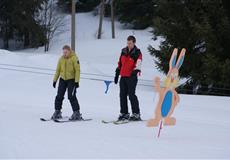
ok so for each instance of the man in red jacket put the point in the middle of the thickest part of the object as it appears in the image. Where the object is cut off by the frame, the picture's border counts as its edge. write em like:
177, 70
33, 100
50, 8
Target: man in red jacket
129, 67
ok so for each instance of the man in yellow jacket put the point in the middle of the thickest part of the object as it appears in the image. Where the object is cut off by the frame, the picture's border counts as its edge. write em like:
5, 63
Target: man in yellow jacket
68, 69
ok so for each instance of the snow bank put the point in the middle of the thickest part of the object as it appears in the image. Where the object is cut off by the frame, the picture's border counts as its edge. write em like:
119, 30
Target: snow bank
2, 51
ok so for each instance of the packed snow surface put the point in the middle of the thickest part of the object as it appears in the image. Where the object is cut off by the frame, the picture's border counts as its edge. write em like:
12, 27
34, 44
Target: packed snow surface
26, 95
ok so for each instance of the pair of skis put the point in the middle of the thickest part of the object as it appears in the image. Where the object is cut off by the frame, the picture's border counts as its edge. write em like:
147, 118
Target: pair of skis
117, 122
64, 120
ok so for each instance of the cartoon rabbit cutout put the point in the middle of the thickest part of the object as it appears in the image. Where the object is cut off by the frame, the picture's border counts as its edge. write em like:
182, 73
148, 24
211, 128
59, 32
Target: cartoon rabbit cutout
168, 97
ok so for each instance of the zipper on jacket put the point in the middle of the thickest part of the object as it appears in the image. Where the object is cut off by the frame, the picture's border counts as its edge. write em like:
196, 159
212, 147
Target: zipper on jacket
65, 70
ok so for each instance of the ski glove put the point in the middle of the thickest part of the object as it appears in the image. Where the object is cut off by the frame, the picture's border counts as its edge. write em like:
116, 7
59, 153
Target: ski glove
135, 72
116, 76
76, 84
54, 84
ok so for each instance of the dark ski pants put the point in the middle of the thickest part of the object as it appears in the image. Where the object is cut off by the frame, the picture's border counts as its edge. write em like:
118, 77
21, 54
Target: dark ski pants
128, 88
70, 86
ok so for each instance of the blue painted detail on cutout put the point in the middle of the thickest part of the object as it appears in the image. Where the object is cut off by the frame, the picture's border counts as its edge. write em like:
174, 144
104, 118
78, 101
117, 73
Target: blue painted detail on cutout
107, 83
174, 62
181, 62
167, 103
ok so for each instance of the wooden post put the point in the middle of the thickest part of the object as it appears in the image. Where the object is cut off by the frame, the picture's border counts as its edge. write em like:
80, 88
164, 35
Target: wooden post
73, 25
112, 19
102, 7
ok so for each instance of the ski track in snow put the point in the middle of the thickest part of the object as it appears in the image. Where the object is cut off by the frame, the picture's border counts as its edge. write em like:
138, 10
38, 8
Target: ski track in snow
203, 123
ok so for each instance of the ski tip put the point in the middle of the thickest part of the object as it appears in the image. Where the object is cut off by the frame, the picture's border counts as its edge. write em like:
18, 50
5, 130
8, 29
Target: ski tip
104, 121
57, 121
42, 119
107, 122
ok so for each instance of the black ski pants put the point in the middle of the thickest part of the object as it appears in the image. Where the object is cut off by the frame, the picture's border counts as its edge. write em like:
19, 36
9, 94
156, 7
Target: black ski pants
128, 88
70, 86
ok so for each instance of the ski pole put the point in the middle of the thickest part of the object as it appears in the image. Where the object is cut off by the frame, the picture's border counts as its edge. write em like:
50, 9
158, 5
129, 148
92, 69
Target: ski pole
160, 127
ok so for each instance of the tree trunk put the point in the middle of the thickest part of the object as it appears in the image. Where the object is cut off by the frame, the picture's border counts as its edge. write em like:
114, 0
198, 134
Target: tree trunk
5, 40
6, 43
26, 39
112, 19
73, 25
5, 36
101, 18
47, 46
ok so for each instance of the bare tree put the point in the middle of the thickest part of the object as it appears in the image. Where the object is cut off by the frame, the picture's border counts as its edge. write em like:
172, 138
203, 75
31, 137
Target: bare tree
101, 12
102, 8
112, 18
51, 21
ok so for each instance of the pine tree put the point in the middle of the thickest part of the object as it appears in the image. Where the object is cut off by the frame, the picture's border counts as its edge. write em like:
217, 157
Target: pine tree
203, 27
81, 5
139, 13
18, 21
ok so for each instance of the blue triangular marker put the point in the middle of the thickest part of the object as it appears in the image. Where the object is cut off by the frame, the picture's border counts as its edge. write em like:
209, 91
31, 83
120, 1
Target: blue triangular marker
107, 83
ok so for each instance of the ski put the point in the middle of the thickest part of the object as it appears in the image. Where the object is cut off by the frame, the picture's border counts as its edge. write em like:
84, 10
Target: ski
127, 121
107, 122
45, 120
49, 119
116, 122
64, 121
121, 122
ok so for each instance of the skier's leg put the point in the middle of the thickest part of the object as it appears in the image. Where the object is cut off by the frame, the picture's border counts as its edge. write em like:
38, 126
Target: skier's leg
72, 95
123, 96
60, 94
132, 84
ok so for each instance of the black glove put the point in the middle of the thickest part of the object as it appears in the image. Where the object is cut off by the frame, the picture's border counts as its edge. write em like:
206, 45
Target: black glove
135, 72
116, 76
54, 84
76, 84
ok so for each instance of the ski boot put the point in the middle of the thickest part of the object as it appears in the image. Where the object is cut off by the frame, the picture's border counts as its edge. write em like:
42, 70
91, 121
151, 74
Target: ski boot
135, 117
56, 115
123, 117
76, 116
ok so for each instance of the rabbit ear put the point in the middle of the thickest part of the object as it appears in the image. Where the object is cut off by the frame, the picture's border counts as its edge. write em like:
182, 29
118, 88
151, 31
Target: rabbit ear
181, 58
172, 61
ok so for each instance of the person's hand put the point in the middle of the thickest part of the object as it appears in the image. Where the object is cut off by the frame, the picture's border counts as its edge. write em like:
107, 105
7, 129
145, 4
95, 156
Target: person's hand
135, 72
76, 84
116, 79
54, 84
116, 76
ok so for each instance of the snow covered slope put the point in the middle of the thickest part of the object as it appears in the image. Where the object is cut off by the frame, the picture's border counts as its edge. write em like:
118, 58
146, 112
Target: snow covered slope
26, 94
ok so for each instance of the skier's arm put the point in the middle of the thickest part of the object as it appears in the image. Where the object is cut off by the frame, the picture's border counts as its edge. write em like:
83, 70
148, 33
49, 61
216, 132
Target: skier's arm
137, 69
58, 69
117, 72
119, 64
138, 63
77, 69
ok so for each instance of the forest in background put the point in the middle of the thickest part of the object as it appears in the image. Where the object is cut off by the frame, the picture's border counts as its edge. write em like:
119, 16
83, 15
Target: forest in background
201, 26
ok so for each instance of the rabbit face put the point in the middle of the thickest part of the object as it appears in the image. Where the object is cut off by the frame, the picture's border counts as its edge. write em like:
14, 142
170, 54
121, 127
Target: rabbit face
174, 65
173, 74
172, 79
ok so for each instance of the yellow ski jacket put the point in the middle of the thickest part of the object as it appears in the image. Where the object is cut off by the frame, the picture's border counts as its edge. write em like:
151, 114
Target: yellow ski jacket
68, 68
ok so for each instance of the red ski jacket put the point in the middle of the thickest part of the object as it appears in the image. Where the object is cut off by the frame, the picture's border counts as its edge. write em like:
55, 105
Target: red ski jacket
129, 61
